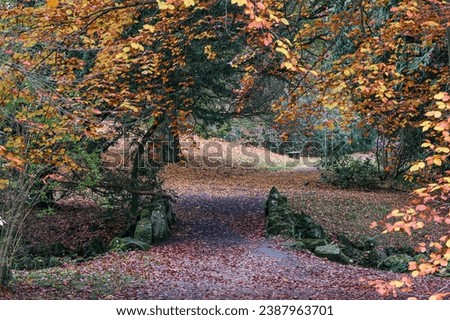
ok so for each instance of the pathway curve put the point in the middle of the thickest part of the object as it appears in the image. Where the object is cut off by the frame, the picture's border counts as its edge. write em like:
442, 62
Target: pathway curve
219, 251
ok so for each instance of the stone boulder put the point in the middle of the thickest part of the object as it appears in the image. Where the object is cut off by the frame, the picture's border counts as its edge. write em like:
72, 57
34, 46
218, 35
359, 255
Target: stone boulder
162, 205
275, 202
144, 231
312, 244
127, 244
156, 220
294, 245
363, 252
333, 253
94, 247
444, 272
160, 227
396, 263
282, 220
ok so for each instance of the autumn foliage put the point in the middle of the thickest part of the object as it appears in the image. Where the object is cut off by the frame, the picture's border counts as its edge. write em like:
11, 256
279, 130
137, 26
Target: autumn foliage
71, 70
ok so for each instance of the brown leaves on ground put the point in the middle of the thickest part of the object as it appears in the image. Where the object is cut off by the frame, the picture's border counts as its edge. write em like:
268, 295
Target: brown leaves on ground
218, 249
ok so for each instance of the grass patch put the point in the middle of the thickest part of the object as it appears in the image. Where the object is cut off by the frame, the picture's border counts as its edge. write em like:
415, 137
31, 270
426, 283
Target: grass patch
351, 213
61, 283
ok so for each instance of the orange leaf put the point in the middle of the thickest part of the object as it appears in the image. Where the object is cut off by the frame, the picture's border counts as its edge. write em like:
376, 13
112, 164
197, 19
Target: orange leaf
52, 3
412, 266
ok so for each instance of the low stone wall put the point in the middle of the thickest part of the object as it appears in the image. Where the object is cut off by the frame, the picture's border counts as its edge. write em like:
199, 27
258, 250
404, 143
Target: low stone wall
305, 234
155, 221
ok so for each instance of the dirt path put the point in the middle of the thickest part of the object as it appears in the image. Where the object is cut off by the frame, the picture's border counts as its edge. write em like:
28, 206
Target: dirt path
218, 251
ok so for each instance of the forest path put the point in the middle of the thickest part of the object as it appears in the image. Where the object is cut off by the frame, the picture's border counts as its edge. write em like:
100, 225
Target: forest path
218, 249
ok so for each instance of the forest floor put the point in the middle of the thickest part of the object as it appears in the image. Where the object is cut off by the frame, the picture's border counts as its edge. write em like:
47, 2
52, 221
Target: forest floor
219, 251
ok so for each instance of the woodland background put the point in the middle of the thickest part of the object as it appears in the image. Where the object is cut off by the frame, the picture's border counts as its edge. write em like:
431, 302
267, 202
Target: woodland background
162, 126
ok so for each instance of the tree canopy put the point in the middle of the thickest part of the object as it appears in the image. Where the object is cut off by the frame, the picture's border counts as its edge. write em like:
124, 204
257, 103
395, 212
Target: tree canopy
86, 73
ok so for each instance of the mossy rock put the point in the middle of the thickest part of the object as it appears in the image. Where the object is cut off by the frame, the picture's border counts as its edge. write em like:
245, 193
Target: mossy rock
274, 201
312, 244
313, 232
444, 272
282, 220
156, 220
144, 230
400, 250
396, 263
159, 226
333, 253
295, 245
364, 244
276, 226
94, 247
162, 205
146, 212
170, 214
127, 244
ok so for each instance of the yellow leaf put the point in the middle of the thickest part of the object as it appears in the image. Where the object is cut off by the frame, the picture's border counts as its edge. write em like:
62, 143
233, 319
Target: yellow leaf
283, 51
149, 27
126, 49
52, 3
127, 105
165, 6
189, 3
240, 3
284, 21
4, 183
209, 52
415, 273
122, 55
397, 284
414, 168
441, 105
440, 96
448, 243
396, 213
442, 149
426, 125
288, 65
137, 46
437, 161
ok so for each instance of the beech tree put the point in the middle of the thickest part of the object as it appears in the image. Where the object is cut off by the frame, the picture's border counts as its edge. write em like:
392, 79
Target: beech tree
78, 72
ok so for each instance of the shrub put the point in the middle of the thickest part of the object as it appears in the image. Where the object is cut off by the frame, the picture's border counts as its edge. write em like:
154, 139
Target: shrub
347, 172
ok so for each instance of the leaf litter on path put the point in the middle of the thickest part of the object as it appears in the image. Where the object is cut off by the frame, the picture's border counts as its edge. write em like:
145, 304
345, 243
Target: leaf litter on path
217, 251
